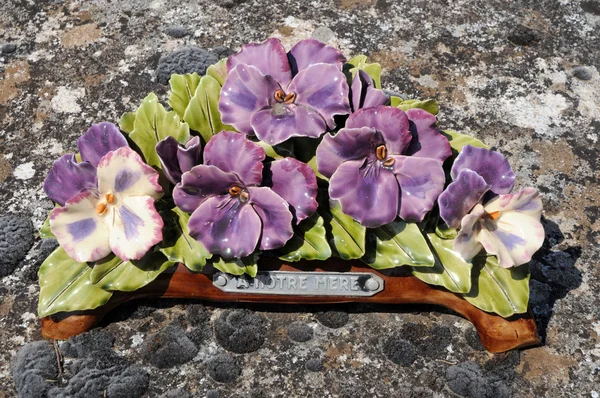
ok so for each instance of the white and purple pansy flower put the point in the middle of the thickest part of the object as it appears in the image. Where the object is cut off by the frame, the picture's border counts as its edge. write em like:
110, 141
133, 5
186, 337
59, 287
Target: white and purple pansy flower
507, 226
116, 216
67, 177
238, 204
176, 159
385, 163
277, 95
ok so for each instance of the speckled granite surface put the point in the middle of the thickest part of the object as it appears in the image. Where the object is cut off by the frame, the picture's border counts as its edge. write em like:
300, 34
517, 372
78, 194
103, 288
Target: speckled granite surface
522, 76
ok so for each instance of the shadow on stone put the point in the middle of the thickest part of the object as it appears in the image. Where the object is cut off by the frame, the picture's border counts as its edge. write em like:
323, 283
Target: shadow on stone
553, 275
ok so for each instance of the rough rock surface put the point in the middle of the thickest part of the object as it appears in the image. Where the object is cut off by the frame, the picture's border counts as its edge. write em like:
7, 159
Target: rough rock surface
16, 238
521, 75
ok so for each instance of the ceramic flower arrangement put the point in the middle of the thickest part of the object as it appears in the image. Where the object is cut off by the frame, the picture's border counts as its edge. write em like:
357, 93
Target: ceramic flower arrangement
296, 155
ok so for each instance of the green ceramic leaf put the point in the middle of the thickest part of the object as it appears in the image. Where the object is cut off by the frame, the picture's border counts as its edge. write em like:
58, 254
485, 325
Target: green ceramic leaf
458, 141
65, 286
445, 232
115, 274
309, 241
373, 70
153, 124
429, 105
183, 88
45, 231
127, 122
396, 244
449, 270
202, 113
347, 237
178, 245
504, 291
247, 265
278, 151
218, 71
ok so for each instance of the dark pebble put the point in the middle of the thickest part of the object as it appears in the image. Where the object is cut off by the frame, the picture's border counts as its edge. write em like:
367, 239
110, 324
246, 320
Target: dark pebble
223, 368
240, 331
314, 365
523, 36
184, 60
299, 331
473, 340
34, 365
16, 238
9, 48
401, 352
582, 73
213, 394
590, 6
230, 3
179, 393
468, 380
333, 319
168, 347
177, 31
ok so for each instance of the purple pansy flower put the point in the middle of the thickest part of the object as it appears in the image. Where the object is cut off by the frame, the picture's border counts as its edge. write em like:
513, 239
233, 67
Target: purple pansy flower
507, 226
176, 159
278, 95
364, 94
474, 172
232, 214
118, 215
67, 177
385, 163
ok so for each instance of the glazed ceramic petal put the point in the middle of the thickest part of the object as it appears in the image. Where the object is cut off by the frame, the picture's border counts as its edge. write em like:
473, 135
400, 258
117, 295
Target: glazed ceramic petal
275, 215
517, 233
234, 153
167, 154
421, 181
277, 124
67, 178
200, 183
364, 94
226, 227
190, 154
460, 196
79, 229
367, 193
391, 122
123, 173
322, 87
295, 182
311, 51
245, 92
100, 139
467, 241
269, 57
347, 144
491, 165
135, 227
427, 142
526, 202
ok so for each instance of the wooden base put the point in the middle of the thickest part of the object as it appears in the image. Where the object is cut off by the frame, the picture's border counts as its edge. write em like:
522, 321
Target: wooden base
497, 334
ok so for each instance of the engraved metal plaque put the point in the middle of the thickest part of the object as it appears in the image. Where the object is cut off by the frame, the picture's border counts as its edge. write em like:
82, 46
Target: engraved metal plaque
300, 283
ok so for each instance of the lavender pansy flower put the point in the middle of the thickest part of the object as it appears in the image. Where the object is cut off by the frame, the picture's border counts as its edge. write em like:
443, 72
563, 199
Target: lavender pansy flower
364, 94
67, 177
176, 159
507, 226
474, 172
385, 163
118, 215
232, 214
278, 95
